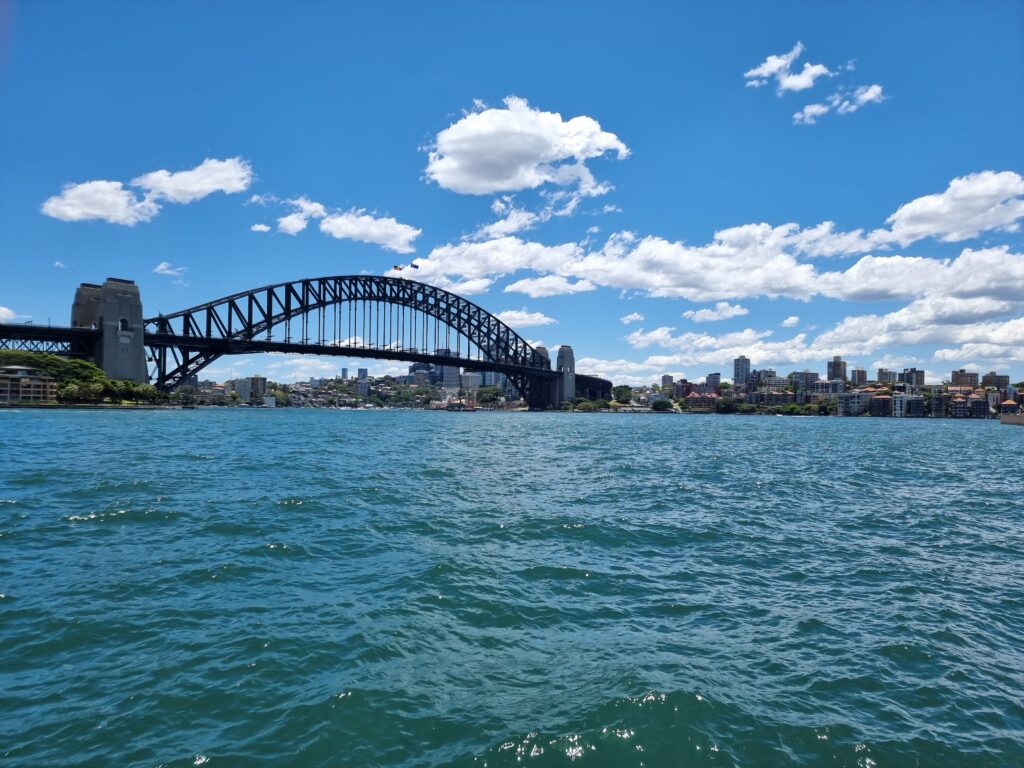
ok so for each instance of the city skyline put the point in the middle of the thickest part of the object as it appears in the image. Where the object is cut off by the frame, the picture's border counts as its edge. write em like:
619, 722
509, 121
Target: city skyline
787, 191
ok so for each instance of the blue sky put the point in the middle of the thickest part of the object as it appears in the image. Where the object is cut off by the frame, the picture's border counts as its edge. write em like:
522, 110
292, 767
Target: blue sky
601, 160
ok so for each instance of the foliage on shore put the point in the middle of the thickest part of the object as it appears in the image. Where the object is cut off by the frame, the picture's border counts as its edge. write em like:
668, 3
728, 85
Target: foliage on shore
79, 381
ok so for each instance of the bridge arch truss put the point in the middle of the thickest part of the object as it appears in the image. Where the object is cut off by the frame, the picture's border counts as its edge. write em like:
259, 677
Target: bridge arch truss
346, 315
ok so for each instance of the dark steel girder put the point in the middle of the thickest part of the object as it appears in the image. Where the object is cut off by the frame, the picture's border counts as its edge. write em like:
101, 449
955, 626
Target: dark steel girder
183, 343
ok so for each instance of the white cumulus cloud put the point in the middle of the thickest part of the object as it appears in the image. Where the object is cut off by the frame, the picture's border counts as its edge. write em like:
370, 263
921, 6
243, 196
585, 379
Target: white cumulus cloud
259, 228
842, 102
298, 219
549, 285
790, 321
722, 310
111, 201
228, 176
100, 200
359, 225
779, 68
6, 314
166, 268
521, 318
518, 147
632, 317
970, 205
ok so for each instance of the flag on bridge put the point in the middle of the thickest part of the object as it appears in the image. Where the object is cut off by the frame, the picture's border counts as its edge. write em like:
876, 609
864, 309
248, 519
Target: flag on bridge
396, 268
414, 265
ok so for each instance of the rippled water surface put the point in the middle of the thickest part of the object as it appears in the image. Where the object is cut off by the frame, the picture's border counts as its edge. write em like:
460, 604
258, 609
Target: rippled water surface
232, 587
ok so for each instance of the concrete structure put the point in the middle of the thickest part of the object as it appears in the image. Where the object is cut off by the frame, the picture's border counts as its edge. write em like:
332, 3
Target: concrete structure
681, 389
885, 376
259, 388
565, 364
964, 378
713, 380
881, 405
666, 382
940, 405
701, 403
995, 380
907, 406
470, 381
853, 403
836, 369
115, 309
804, 379
912, 376
362, 373
741, 371
858, 377
19, 384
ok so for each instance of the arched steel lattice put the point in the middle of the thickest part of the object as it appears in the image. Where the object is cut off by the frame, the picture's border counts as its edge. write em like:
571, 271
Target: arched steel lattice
351, 315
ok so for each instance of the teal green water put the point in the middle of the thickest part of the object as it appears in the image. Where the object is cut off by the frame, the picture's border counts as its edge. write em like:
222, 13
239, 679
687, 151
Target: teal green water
318, 588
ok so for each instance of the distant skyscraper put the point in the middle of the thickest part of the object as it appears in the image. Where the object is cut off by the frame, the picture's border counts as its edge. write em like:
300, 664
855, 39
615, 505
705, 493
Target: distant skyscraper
344, 374
858, 377
741, 371
993, 379
713, 380
912, 376
666, 382
964, 378
259, 387
837, 369
363, 373
447, 375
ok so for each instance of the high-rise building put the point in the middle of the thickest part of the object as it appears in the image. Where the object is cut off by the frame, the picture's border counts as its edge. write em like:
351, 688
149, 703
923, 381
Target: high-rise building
713, 380
858, 377
471, 381
837, 369
259, 388
912, 376
993, 379
741, 371
344, 374
804, 379
362, 373
964, 378
666, 382
447, 375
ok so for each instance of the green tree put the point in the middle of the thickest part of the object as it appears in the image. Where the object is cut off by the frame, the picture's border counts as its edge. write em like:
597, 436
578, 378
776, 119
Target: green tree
488, 395
661, 405
725, 405
622, 393
586, 407
185, 395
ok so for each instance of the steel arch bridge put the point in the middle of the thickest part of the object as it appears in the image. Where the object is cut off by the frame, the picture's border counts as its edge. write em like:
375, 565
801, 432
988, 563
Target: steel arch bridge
345, 315
352, 316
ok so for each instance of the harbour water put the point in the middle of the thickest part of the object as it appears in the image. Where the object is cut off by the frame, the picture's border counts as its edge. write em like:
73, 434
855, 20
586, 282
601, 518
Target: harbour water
319, 588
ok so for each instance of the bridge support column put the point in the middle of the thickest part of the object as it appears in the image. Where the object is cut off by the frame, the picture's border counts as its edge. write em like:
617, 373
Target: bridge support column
115, 309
